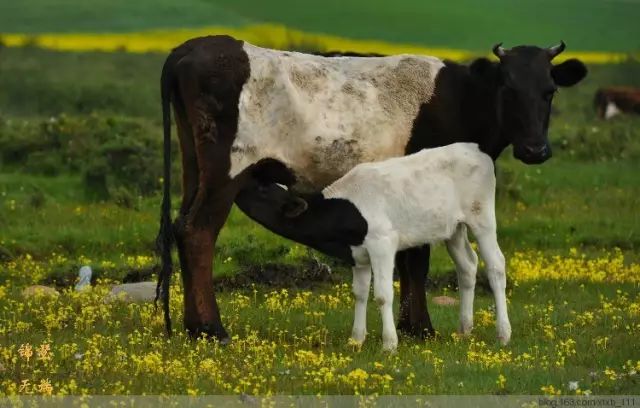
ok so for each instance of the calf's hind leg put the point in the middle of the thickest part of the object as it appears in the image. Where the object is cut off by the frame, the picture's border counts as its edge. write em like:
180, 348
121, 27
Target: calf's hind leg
466, 262
496, 274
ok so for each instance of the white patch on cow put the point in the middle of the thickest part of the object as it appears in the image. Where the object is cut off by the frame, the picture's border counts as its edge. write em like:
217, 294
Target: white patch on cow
322, 116
612, 110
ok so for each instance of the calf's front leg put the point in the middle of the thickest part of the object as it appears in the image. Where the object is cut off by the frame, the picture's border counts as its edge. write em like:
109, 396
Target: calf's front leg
382, 254
361, 285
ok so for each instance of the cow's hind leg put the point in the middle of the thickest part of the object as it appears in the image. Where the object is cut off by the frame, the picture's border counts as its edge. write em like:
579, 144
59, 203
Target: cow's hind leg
196, 244
413, 266
201, 219
190, 177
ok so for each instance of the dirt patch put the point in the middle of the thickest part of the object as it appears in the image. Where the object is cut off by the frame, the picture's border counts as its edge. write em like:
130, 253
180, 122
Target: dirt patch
306, 276
310, 274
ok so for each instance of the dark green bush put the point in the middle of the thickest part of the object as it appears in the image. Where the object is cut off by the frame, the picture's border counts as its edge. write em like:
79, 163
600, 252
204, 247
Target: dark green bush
109, 151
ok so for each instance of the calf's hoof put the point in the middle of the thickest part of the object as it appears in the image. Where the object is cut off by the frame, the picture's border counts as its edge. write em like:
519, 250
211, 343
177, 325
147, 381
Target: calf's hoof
465, 330
390, 342
504, 334
358, 336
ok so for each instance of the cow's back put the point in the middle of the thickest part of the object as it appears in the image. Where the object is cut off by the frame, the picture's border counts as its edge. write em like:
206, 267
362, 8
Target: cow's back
322, 116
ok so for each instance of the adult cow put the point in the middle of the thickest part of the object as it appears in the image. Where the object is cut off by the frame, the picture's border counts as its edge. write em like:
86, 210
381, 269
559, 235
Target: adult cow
244, 112
611, 101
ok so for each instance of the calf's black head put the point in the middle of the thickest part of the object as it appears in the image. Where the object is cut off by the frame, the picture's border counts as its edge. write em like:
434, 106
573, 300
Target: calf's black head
527, 82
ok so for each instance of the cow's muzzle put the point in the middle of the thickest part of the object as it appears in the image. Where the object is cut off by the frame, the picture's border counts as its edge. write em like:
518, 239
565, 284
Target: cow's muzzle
533, 154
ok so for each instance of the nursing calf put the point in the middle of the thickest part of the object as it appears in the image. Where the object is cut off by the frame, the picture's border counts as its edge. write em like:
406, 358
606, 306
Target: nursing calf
378, 209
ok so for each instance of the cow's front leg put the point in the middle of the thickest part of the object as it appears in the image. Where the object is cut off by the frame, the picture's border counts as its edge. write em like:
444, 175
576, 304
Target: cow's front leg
413, 267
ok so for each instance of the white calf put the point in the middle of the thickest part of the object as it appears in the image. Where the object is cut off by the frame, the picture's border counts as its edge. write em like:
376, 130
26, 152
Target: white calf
427, 197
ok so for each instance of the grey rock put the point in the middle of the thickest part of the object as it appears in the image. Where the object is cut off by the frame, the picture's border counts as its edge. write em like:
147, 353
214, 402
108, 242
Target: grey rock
133, 292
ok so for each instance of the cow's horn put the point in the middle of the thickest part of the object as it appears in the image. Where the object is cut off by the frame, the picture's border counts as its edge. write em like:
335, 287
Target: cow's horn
498, 51
555, 50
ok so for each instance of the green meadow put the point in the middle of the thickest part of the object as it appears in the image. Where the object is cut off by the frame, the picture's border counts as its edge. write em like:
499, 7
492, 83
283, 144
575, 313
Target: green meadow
80, 167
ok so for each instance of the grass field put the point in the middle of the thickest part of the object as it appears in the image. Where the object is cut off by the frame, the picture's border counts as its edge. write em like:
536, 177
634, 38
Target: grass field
586, 25
569, 228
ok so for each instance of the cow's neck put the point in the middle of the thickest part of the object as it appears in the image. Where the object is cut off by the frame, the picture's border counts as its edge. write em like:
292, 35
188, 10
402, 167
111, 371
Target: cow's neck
464, 108
481, 111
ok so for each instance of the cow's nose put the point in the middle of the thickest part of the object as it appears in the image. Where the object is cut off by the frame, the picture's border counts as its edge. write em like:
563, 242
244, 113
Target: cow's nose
536, 150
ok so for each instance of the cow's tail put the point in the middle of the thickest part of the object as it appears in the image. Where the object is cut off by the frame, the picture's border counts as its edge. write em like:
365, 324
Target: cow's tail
165, 239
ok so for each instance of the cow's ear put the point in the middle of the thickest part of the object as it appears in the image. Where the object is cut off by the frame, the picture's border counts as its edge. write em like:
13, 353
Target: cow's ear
569, 72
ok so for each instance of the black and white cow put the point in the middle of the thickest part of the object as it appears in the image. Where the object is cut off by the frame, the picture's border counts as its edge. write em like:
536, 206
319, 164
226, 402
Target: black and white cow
380, 208
242, 110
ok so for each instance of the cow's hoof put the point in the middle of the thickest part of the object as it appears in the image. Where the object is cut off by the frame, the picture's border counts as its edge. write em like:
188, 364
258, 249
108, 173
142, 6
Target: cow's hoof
420, 330
211, 331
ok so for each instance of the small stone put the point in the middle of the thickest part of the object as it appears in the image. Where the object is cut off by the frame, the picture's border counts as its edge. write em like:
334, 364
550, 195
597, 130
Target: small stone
39, 290
445, 301
133, 292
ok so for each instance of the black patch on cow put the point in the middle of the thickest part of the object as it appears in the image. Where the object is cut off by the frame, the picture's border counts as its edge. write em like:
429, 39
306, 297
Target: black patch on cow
462, 109
330, 226
495, 104
203, 79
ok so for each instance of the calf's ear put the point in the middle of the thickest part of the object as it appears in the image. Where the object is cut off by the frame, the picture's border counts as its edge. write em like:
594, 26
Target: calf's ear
569, 72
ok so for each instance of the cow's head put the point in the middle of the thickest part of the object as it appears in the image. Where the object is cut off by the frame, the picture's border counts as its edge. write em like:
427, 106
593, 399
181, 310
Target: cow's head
527, 83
